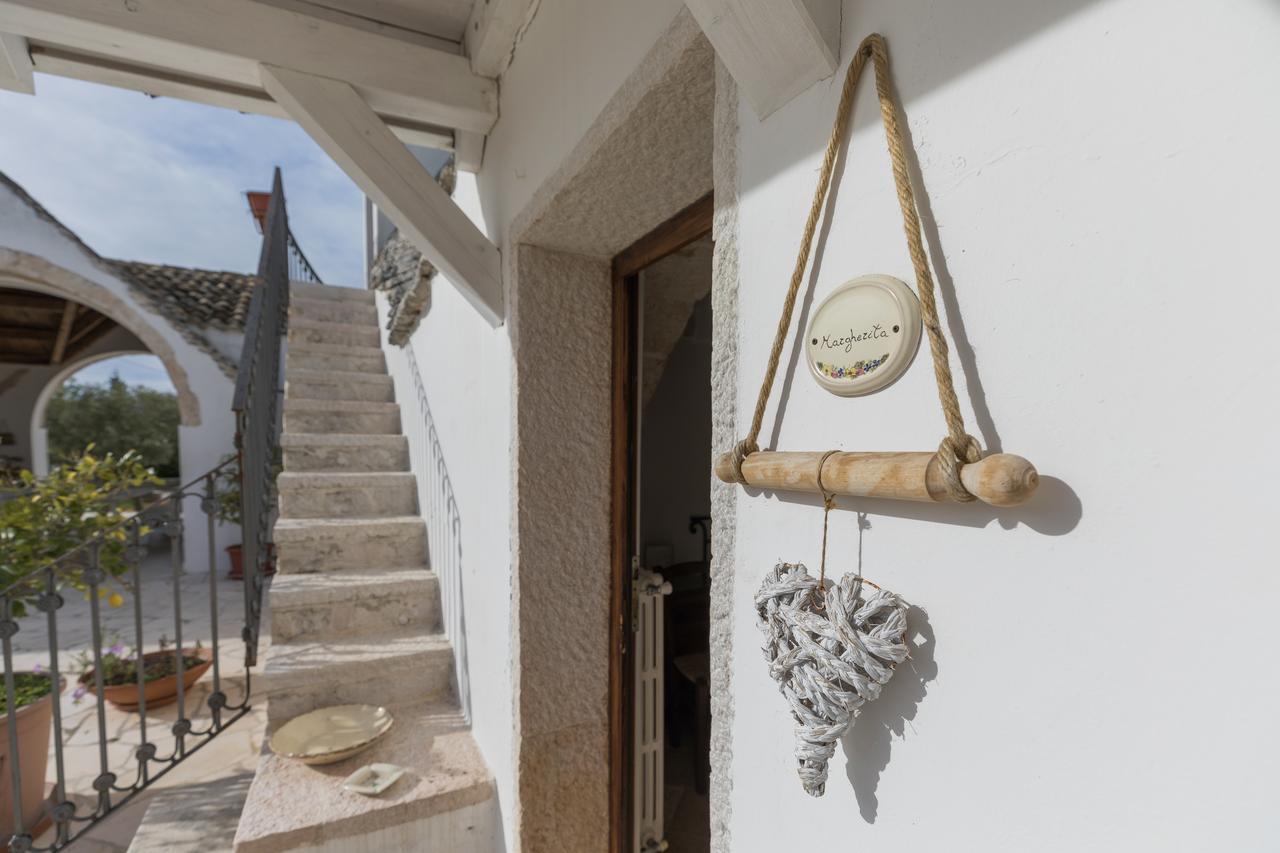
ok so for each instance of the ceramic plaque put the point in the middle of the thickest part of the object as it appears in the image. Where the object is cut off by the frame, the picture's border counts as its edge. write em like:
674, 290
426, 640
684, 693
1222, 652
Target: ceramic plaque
864, 335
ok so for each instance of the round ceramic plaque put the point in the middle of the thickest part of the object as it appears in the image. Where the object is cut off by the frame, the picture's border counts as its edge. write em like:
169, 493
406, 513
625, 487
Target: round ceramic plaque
864, 335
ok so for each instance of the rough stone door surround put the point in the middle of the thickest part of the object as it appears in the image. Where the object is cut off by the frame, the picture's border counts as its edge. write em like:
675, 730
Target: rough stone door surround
647, 156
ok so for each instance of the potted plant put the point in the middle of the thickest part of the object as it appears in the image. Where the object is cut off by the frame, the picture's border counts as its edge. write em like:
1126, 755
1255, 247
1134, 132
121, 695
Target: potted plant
159, 674
228, 511
43, 520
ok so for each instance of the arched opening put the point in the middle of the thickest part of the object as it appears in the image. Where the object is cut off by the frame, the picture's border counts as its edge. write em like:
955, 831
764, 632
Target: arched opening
116, 400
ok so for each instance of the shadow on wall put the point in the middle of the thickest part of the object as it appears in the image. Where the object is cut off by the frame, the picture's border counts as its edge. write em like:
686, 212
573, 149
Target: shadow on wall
439, 507
930, 45
869, 740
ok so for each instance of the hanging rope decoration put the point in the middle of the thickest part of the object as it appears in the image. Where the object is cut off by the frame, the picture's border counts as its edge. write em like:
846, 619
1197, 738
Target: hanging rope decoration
832, 648
1000, 479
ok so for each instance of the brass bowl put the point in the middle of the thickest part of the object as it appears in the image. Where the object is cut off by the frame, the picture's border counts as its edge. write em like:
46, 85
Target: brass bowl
328, 735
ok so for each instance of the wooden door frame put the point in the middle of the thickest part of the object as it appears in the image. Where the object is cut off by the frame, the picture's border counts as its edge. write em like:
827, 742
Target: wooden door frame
690, 224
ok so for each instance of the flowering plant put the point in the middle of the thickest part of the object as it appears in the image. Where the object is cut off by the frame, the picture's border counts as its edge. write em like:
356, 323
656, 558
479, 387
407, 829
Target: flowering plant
79, 501
120, 667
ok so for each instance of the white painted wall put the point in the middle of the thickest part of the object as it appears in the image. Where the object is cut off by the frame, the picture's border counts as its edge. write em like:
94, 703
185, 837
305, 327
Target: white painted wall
1102, 175
570, 62
200, 446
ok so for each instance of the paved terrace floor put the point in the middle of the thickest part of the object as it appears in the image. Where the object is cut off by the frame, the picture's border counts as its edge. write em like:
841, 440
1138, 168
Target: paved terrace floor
212, 781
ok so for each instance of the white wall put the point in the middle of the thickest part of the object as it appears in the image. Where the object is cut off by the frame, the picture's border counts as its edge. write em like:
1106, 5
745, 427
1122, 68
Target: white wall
1095, 669
202, 444
570, 62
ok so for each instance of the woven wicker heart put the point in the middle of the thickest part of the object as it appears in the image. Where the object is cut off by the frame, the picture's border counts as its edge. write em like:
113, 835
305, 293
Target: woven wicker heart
828, 662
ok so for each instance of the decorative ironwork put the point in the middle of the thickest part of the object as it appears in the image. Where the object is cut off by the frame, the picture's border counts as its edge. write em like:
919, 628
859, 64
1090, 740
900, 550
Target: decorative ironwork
257, 406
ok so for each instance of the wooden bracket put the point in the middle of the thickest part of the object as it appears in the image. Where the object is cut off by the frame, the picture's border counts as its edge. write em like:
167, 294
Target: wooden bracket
1000, 479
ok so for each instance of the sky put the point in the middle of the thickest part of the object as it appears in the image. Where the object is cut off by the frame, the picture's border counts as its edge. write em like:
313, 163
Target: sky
163, 181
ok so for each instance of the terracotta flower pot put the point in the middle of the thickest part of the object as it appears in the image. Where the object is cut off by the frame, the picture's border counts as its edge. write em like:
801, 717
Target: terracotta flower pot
236, 553
159, 692
35, 725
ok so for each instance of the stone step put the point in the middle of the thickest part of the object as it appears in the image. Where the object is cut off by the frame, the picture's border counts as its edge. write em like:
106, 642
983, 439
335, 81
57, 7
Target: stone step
341, 334
305, 545
346, 495
332, 310
445, 801
307, 290
402, 667
336, 385
353, 601
310, 356
348, 416
340, 452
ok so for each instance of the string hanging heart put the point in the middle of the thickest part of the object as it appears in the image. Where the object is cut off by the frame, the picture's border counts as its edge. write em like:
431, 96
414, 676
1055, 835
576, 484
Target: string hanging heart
830, 651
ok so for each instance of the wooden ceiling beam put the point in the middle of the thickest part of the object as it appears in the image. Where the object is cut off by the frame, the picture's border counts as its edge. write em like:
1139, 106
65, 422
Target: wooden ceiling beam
226, 40
69, 309
15, 65
339, 120
775, 49
86, 337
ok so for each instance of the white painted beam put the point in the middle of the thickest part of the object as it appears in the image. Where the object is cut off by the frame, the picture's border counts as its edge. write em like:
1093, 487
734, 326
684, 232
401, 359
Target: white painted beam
225, 40
492, 32
468, 151
245, 99
339, 120
775, 49
15, 65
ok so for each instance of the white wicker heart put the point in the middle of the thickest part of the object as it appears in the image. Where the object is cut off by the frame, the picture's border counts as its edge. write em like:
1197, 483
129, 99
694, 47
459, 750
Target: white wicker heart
828, 660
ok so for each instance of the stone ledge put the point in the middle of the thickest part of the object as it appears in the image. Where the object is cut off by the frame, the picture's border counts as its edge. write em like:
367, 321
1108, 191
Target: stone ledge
291, 805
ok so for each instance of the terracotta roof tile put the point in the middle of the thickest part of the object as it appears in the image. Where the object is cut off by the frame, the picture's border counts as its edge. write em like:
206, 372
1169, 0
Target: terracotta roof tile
193, 297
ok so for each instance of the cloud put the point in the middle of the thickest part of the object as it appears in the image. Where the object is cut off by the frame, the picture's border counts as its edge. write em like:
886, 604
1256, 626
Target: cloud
145, 370
160, 180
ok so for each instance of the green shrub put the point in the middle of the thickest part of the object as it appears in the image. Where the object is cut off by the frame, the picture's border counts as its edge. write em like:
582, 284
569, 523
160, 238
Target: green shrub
79, 500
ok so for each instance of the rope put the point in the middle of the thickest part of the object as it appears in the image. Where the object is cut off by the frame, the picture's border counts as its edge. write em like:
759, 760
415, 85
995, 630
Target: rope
828, 501
958, 447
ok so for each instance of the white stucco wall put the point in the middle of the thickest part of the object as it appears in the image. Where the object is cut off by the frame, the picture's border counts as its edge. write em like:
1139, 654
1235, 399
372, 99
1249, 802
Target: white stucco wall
556, 86
1101, 175
37, 255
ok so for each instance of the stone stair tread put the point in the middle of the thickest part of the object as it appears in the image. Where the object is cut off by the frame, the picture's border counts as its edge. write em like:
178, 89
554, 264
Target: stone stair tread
445, 773
340, 439
311, 347
346, 584
307, 290
301, 664
295, 528
296, 405
347, 479
336, 325
335, 377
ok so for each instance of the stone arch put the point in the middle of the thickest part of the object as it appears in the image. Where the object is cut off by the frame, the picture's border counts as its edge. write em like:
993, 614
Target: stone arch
25, 271
39, 427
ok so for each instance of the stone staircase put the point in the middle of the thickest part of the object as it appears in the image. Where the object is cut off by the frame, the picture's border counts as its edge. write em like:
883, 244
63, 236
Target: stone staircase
355, 608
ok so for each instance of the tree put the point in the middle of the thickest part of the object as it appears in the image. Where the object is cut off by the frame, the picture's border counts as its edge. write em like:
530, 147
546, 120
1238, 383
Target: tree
115, 418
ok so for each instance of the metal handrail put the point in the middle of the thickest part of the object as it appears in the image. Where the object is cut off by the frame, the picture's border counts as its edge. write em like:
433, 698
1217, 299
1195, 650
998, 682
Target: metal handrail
257, 406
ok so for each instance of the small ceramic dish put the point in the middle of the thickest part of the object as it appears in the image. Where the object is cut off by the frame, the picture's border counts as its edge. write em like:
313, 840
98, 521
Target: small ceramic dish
328, 735
372, 779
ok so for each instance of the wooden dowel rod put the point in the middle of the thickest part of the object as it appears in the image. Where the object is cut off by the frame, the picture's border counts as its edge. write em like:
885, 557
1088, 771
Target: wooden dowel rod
1000, 479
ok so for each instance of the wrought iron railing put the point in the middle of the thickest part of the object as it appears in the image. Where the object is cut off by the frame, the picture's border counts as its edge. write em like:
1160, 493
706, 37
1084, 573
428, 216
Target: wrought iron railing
257, 404
300, 268
113, 558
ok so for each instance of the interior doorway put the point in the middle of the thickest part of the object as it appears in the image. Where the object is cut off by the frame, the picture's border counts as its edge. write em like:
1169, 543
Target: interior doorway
662, 434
